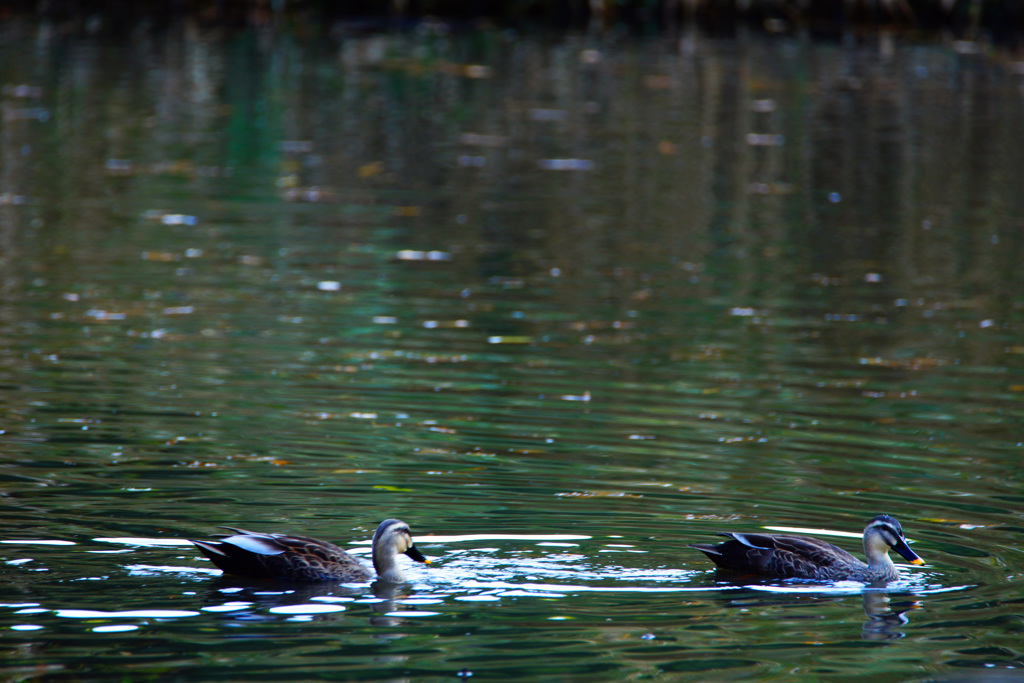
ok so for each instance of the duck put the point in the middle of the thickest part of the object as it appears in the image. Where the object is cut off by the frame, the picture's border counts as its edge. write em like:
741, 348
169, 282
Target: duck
799, 557
307, 560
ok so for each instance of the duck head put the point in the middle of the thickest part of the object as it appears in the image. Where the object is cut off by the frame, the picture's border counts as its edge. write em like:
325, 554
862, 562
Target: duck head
391, 539
884, 532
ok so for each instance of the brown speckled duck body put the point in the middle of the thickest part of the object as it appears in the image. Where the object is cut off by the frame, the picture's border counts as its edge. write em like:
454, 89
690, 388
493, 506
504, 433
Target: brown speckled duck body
800, 557
298, 558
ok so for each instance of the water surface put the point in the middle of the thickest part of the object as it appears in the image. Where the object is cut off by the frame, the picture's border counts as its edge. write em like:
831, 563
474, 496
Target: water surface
564, 305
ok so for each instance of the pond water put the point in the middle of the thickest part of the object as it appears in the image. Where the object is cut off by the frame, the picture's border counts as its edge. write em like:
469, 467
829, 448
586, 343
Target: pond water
564, 304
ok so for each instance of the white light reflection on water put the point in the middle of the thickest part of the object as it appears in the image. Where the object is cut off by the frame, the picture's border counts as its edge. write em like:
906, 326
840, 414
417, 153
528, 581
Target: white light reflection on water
458, 569
118, 551
307, 609
463, 576
477, 598
158, 570
227, 607
471, 577
146, 542
36, 542
543, 589
492, 537
128, 614
115, 628
461, 571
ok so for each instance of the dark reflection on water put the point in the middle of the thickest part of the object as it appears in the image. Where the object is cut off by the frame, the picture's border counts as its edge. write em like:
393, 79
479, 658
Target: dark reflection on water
623, 294
885, 621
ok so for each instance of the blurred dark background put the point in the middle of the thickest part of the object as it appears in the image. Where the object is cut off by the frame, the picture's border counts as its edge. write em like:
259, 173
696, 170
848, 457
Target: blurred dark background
997, 20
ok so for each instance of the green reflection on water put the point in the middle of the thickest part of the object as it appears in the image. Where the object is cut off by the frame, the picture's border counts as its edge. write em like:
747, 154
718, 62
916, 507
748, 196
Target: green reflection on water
622, 290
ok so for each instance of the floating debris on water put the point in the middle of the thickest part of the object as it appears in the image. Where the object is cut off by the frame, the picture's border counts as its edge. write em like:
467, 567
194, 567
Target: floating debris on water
311, 195
371, 169
23, 91
765, 140
769, 188
414, 255
521, 339
476, 71
27, 114
295, 146
658, 82
547, 115
168, 218
482, 140
566, 164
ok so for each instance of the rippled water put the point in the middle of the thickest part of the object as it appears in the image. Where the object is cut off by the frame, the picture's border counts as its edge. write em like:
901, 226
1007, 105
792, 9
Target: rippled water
565, 306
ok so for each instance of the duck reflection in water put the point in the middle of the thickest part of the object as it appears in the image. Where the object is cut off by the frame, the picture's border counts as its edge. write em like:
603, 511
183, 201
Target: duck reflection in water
388, 593
885, 620
246, 599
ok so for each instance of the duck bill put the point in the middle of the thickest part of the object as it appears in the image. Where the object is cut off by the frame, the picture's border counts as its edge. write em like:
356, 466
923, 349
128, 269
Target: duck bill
909, 555
418, 556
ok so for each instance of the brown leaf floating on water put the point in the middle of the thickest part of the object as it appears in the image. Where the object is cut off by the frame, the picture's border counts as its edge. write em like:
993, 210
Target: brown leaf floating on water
598, 494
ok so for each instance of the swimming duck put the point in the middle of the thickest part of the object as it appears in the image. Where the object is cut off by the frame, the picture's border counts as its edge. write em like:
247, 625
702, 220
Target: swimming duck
297, 558
799, 557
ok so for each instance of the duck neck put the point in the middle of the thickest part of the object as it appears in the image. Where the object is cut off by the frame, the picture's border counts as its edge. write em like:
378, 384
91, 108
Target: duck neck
385, 563
879, 561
